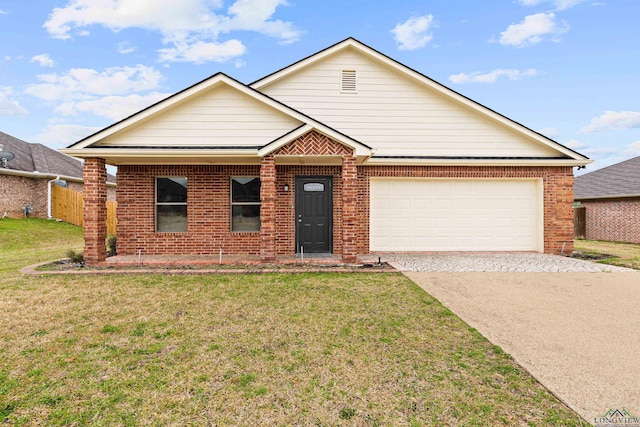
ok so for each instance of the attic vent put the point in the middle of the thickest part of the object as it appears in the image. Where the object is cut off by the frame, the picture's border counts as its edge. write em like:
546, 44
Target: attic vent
348, 81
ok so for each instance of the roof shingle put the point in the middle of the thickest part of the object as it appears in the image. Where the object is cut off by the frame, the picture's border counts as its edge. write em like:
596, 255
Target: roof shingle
40, 158
619, 180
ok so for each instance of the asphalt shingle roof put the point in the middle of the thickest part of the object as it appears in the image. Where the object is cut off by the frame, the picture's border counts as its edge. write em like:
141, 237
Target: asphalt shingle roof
619, 180
40, 158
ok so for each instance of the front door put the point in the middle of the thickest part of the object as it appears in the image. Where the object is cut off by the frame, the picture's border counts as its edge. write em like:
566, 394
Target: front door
314, 214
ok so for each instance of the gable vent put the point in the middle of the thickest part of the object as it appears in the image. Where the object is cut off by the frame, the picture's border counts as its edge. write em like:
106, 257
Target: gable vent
348, 81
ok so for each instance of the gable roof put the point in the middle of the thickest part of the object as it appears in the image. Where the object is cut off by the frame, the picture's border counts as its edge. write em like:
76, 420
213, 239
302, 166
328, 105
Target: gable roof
37, 158
89, 146
351, 43
618, 180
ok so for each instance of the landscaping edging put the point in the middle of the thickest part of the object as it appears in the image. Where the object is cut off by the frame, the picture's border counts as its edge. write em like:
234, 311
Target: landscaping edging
31, 270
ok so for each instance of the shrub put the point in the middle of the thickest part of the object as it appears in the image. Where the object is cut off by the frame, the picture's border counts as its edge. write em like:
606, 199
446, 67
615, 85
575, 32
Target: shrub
112, 240
75, 257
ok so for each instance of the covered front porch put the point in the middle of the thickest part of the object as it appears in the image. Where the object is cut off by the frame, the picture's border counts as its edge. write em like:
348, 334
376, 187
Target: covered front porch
210, 205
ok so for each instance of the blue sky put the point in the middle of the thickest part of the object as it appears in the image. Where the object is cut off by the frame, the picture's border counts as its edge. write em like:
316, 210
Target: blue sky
567, 68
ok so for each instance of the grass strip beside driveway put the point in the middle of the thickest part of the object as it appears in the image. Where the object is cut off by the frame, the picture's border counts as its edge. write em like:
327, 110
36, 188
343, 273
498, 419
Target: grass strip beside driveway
611, 253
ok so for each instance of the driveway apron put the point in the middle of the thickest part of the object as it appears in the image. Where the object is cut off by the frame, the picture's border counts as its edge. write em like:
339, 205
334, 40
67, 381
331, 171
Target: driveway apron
577, 333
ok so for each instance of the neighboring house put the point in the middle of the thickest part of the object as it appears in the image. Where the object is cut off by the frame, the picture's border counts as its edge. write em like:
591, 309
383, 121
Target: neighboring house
26, 179
611, 199
346, 151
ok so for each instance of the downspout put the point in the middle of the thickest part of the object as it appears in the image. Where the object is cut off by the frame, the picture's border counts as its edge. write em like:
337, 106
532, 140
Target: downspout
49, 213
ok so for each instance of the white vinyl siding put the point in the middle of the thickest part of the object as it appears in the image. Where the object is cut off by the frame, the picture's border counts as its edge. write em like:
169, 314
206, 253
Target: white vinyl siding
456, 215
222, 116
395, 115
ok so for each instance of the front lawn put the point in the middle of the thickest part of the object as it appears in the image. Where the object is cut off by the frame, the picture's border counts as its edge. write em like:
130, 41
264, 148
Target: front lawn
275, 349
612, 253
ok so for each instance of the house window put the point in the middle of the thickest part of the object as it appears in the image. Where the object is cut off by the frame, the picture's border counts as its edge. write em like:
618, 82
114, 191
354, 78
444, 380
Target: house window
245, 203
171, 204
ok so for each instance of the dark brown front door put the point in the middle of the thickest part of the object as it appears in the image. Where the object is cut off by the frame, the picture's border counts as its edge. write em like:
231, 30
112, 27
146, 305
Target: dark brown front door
314, 214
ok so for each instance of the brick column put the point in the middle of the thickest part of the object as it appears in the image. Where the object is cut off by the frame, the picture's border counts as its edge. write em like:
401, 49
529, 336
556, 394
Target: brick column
349, 209
268, 209
94, 194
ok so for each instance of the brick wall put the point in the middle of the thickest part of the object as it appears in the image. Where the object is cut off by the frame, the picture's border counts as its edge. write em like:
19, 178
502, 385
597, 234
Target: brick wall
94, 196
613, 220
17, 191
209, 217
208, 211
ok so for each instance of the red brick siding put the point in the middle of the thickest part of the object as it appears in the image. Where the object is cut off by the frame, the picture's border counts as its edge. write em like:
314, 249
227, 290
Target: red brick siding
208, 211
350, 223
558, 195
613, 220
268, 209
313, 144
18, 191
94, 196
209, 206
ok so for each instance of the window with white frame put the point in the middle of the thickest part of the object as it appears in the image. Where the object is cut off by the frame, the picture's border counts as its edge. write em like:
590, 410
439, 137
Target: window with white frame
245, 203
171, 204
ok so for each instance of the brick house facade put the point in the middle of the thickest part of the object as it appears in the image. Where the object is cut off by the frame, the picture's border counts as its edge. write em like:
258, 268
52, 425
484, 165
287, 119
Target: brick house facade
262, 178
616, 220
610, 198
26, 179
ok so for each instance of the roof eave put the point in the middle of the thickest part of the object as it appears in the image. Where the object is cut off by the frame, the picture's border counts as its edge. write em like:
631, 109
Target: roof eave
373, 161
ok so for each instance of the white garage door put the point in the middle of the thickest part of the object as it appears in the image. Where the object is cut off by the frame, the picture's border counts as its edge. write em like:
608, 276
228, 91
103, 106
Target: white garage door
455, 215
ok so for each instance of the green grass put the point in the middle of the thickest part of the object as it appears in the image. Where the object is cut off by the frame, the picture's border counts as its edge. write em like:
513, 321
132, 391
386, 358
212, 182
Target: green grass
612, 253
236, 350
31, 240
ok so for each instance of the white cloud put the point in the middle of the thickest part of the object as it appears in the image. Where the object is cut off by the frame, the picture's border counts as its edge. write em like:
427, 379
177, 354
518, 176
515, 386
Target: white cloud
43, 60
84, 83
549, 132
633, 149
114, 93
575, 144
414, 32
255, 15
557, 4
8, 105
126, 47
199, 52
613, 120
492, 77
62, 135
596, 151
3, 12
111, 107
533, 30
188, 27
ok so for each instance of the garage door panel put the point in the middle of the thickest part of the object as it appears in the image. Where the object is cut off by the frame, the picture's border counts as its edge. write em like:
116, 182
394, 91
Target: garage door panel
461, 215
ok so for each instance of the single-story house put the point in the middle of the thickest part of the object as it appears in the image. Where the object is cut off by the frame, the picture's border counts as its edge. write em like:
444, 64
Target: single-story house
27, 173
611, 200
346, 151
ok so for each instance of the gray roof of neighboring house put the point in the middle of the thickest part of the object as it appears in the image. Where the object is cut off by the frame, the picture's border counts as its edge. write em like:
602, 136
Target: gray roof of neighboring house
40, 158
619, 180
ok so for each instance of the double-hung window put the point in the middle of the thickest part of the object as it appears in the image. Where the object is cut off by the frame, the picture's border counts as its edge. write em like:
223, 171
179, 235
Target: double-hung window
245, 203
171, 204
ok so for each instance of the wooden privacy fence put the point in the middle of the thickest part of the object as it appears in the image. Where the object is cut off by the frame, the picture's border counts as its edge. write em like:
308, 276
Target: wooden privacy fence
67, 205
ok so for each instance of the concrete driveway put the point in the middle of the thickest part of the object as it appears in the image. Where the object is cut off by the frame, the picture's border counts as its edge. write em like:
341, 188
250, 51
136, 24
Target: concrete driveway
578, 333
